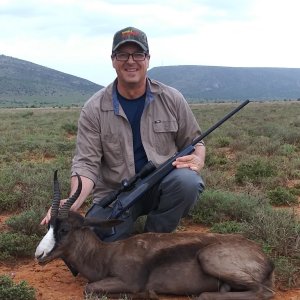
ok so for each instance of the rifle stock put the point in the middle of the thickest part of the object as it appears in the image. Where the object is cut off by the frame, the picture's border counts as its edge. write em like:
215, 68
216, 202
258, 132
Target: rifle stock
130, 193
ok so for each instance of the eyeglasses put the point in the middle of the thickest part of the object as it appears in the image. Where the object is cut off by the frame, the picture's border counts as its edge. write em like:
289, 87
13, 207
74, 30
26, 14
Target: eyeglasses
124, 56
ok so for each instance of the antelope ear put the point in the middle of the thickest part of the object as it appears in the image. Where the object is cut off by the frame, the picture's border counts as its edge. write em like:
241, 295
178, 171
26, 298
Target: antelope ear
89, 221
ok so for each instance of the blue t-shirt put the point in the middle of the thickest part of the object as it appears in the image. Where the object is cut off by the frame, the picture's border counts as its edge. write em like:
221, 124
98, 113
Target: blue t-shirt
133, 109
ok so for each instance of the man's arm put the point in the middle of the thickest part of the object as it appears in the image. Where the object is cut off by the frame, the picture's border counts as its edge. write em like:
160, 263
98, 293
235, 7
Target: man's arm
87, 186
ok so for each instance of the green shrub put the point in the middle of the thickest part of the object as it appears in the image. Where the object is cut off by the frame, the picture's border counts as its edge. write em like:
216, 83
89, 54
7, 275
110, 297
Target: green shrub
281, 196
219, 206
70, 128
291, 136
287, 149
296, 123
287, 271
295, 190
27, 114
9, 201
278, 228
264, 146
216, 178
240, 144
223, 141
13, 245
12, 291
215, 159
28, 185
254, 171
227, 227
267, 130
27, 222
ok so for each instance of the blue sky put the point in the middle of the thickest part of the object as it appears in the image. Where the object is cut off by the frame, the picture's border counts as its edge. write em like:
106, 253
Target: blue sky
75, 36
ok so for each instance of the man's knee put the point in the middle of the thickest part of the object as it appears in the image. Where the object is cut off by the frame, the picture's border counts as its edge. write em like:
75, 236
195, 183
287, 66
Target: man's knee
185, 181
180, 191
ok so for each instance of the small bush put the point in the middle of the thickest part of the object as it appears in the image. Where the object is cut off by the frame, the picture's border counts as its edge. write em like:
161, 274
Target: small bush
296, 123
213, 159
27, 222
27, 114
215, 179
254, 171
227, 227
287, 271
278, 228
264, 146
291, 136
295, 190
219, 206
281, 196
9, 201
70, 128
239, 144
223, 141
11, 291
287, 149
13, 245
266, 130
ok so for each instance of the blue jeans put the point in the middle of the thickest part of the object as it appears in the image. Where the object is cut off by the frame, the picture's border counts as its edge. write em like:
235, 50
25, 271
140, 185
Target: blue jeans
165, 204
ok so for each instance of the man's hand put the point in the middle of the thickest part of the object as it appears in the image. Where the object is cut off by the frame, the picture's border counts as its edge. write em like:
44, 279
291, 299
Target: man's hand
47, 218
192, 161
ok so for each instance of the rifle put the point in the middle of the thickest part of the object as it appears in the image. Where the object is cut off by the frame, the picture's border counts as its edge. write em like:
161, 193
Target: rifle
133, 189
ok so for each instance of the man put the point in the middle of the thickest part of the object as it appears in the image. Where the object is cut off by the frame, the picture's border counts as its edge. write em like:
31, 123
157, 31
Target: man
122, 127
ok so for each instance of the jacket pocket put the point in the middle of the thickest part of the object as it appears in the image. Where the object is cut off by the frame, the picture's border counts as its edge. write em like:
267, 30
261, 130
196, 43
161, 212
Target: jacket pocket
165, 135
112, 153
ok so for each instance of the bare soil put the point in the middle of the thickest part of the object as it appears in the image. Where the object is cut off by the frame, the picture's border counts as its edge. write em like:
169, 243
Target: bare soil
55, 281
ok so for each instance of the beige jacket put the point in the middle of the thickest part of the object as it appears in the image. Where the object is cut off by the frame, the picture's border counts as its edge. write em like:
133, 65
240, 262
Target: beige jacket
104, 151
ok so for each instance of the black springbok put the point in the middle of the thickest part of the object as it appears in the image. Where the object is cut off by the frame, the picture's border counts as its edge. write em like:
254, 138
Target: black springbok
209, 266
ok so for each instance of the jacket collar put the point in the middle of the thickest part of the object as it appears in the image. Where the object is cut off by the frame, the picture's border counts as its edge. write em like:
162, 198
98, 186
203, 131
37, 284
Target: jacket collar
110, 100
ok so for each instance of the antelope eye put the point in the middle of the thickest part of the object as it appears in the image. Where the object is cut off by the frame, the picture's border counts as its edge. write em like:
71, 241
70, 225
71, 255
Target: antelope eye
64, 228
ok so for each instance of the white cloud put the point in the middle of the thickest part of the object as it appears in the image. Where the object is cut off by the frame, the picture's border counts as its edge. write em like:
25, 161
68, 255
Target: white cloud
75, 36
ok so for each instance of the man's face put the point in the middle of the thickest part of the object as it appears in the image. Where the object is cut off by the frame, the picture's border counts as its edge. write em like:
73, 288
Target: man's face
131, 71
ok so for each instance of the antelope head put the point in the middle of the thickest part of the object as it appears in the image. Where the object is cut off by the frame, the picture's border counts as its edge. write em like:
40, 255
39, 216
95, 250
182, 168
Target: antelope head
58, 225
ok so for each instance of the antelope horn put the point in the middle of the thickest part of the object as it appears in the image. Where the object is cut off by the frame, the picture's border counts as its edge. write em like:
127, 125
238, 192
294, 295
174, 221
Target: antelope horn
64, 211
56, 196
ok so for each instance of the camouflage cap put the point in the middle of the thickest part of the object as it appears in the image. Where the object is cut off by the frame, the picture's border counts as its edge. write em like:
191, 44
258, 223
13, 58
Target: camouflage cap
130, 34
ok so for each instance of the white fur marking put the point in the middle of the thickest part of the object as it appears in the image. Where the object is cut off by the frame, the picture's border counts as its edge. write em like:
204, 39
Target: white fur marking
46, 244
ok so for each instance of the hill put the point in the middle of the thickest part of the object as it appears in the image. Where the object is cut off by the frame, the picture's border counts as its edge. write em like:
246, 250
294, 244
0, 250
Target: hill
23, 83
231, 83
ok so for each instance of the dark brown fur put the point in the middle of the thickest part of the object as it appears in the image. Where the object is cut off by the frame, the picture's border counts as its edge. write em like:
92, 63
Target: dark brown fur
214, 266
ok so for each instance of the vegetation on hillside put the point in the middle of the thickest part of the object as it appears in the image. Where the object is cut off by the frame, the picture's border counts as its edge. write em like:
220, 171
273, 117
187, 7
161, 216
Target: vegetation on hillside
210, 83
25, 84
